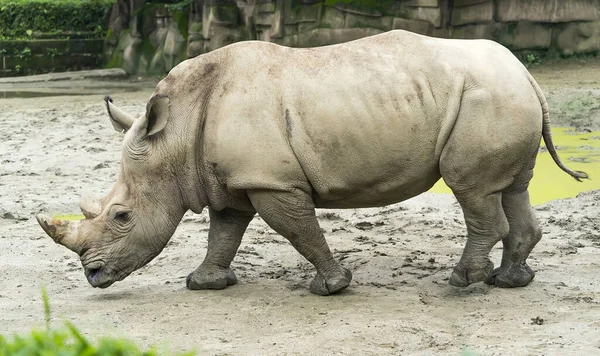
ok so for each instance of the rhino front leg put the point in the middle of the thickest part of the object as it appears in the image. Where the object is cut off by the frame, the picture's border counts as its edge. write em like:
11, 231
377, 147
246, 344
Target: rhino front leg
292, 214
224, 237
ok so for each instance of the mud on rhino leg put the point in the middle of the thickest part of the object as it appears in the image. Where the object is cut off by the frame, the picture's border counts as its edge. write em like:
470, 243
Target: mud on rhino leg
292, 214
486, 225
224, 237
524, 234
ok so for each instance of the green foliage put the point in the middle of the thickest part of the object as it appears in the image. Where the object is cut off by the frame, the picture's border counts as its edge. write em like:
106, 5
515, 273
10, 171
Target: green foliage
179, 6
532, 59
52, 52
68, 342
25, 53
22, 18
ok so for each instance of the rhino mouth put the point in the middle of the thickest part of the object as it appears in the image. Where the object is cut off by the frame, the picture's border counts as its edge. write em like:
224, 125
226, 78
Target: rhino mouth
98, 276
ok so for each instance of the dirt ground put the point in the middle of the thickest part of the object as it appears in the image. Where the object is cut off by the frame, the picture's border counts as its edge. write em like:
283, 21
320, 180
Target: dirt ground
53, 149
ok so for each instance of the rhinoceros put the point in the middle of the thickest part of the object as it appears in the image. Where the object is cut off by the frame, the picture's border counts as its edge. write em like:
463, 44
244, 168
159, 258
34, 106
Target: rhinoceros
255, 127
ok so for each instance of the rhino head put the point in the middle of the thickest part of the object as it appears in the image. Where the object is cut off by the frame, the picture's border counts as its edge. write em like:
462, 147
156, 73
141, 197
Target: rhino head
131, 225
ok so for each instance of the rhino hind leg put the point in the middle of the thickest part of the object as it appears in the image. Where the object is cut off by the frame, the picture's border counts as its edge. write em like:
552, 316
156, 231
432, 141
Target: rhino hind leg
224, 237
486, 225
292, 214
524, 234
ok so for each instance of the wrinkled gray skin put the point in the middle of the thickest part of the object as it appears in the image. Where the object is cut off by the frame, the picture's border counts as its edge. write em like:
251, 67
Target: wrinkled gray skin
259, 128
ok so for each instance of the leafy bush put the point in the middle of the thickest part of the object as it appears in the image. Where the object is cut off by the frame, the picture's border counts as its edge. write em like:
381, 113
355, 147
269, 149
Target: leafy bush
69, 342
21, 18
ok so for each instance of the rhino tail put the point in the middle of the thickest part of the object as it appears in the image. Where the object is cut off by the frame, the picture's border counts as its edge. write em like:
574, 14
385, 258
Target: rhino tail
547, 135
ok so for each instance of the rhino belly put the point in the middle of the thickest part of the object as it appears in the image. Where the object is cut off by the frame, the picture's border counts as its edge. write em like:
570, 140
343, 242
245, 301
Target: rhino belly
373, 193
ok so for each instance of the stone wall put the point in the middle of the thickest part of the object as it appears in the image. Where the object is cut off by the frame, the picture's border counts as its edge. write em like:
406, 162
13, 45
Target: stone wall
152, 38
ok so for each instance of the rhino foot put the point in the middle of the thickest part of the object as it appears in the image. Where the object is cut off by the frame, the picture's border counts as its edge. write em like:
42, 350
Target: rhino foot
463, 276
322, 286
517, 275
210, 279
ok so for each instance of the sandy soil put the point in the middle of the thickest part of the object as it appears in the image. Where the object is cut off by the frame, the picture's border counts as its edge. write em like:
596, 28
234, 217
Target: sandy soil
53, 149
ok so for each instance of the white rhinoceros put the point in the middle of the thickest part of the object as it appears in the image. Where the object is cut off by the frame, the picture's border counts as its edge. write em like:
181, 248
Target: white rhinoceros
259, 128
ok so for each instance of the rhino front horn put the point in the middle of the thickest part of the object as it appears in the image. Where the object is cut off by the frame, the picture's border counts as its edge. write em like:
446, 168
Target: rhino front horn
63, 232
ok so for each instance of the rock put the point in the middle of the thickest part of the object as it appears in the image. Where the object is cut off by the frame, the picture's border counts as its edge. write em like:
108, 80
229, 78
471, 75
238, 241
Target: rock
195, 28
194, 48
548, 10
423, 3
583, 37
482, 12
221, 37
173, 46
332, 18
195, 41
225, 14
525, 35
118, 21
277, 26
157, 62
157, 37
357, 10
130, 44
100, 166
8, 216
306, 26
304, 13
416, 26
264, 18
144, 63
458, 3
442, 32
216, 23
432, 15
289, 41
383, 23
325, 36
265, 7
486, 31
218, 16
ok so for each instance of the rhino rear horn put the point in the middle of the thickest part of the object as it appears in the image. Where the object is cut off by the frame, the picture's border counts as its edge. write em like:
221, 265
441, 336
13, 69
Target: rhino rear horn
90, 206
120, 120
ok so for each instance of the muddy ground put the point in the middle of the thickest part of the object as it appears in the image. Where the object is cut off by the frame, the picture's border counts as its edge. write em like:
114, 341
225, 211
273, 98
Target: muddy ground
52, 149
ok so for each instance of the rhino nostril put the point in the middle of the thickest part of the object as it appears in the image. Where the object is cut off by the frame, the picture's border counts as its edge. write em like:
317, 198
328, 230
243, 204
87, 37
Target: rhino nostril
93, 272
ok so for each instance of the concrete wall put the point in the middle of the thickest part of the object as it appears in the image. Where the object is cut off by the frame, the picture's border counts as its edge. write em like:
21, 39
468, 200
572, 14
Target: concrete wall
153, 39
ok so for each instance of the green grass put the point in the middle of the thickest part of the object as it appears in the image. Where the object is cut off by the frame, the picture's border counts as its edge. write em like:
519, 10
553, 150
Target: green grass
68, 342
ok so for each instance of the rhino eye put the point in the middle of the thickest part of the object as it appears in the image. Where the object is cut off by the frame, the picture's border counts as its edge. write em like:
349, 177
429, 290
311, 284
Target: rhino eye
122, 216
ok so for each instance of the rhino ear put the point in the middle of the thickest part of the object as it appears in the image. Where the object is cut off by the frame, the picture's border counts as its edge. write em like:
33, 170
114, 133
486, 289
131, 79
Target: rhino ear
157, 114
120, 120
